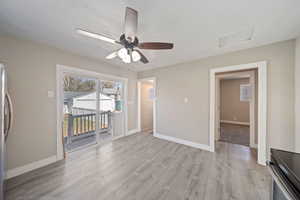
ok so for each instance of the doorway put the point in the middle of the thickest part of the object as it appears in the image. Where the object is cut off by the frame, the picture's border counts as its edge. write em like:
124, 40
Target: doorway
260, 127
91, 109
147, 105
236, 116
80, 126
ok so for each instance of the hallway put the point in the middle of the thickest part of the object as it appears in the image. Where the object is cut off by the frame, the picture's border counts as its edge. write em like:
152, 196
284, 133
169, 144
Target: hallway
235, 134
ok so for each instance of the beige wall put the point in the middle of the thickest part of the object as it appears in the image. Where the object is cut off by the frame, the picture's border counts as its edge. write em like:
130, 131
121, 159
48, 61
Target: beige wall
232, 109
146, 107
31, 73
190, 120
297, 95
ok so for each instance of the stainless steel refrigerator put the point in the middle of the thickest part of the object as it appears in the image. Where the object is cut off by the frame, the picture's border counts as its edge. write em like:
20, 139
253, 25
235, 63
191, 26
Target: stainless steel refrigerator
5, 124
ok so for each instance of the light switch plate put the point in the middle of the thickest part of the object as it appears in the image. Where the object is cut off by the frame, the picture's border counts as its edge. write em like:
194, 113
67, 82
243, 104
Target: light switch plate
50, 94
186, 100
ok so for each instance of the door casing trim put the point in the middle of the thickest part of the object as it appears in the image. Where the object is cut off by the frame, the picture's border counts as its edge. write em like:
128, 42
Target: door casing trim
261, 67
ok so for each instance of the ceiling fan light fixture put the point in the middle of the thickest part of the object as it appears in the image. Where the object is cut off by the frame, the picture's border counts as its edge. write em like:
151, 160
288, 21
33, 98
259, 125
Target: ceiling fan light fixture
126, 59
129, 41
122, 53
135, 56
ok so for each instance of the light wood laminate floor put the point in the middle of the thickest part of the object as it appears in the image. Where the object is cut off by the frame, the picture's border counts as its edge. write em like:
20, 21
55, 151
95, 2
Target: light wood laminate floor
142, 167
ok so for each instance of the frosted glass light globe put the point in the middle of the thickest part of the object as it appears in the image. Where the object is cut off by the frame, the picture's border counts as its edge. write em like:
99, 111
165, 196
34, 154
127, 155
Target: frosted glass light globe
135, 56
122, 53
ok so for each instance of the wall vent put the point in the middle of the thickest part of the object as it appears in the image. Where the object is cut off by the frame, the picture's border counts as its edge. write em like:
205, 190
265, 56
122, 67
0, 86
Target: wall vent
235, 38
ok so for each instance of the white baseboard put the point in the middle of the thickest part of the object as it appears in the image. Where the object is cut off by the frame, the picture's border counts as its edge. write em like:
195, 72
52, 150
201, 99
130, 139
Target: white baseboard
133, 131
29, 167
253, 146
235, 122
118, 137
184, 142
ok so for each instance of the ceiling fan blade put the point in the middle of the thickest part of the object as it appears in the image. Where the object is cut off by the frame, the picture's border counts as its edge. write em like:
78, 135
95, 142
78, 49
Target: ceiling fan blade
112, 55
96, 36
131, 22
143, 57
155, 45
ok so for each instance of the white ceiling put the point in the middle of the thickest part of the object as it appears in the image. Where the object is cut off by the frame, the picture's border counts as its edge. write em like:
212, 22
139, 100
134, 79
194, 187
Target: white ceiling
193, 25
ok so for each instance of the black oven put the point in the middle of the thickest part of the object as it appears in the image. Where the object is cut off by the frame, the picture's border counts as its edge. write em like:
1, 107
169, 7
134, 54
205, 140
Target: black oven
285, 170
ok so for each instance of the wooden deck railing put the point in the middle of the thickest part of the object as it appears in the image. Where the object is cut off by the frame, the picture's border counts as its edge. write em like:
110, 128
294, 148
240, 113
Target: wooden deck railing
75, 125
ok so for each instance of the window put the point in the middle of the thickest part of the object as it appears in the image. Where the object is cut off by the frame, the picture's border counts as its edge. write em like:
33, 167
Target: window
112, 91
245, 92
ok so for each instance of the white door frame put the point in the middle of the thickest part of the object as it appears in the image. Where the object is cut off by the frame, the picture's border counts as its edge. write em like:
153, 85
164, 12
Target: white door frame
60, 71
262, 105
252, 103
139, 102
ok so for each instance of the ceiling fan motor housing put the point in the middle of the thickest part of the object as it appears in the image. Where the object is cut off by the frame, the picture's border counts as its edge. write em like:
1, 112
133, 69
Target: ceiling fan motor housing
127, 43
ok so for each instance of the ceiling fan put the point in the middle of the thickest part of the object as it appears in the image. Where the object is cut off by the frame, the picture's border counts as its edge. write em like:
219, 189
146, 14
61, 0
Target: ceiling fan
131, 45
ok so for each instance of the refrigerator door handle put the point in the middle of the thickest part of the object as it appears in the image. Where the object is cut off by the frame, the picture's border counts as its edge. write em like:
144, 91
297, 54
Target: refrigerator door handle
10, 115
